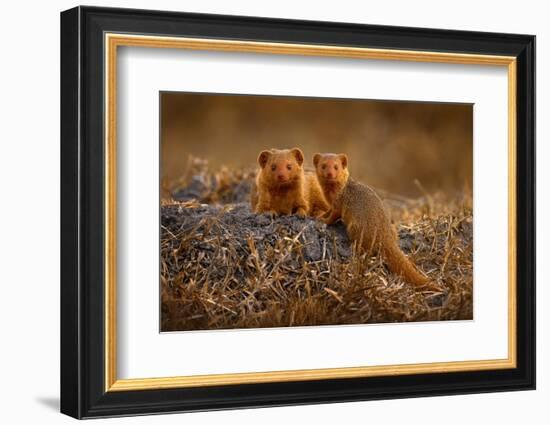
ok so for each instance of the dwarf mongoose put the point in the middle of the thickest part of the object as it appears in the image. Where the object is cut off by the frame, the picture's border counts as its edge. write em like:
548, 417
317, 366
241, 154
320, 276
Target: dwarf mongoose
364, 215
283, 187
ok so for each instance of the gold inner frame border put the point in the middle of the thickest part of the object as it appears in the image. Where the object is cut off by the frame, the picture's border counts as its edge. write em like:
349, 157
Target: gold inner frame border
112, 41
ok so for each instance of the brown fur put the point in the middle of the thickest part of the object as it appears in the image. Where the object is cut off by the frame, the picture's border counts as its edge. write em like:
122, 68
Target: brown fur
364, 215
283, 187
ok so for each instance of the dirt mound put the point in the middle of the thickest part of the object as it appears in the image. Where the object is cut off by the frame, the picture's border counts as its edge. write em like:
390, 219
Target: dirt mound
225, 267
236, 225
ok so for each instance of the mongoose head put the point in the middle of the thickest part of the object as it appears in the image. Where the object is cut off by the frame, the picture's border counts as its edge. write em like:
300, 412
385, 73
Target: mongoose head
281, 167
331, 168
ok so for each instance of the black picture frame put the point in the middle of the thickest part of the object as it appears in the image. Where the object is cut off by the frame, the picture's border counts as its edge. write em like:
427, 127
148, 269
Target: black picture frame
83, 392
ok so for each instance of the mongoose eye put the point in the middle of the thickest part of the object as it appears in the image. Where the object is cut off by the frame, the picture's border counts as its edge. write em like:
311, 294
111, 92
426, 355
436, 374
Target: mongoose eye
289, 167
324, 166
273, 167
336, 167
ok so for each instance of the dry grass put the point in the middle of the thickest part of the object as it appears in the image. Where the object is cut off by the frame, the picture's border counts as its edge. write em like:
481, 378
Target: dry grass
225, 267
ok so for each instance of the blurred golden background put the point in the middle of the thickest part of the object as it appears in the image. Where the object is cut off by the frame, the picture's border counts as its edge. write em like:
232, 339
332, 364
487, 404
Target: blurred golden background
390, 144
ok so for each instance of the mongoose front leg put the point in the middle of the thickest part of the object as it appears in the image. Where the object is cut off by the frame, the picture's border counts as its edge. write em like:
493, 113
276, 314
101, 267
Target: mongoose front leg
318, 213
325, 215
301, 208
332, 216
264, 206
301, 211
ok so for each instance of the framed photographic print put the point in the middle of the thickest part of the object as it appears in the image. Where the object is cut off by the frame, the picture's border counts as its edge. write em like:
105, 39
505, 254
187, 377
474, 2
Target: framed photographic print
261, 212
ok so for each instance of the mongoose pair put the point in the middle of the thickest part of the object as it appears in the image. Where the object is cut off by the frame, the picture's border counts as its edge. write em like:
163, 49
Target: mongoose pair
283, 187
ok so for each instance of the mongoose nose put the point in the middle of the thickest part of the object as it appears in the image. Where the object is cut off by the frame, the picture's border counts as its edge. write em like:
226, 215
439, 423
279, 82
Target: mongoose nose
330, 175
281, 177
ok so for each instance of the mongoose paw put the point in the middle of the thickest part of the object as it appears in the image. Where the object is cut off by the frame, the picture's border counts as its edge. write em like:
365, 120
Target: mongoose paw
324, 214
301, 212
316, 214
328, 221
431, 286
270, 213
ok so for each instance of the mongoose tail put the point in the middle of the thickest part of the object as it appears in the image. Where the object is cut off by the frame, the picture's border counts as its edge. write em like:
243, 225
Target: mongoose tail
401, 265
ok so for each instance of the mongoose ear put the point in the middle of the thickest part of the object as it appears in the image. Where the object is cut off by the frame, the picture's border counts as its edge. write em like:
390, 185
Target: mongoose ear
316, 159
343, 159
263, 157
298, 154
